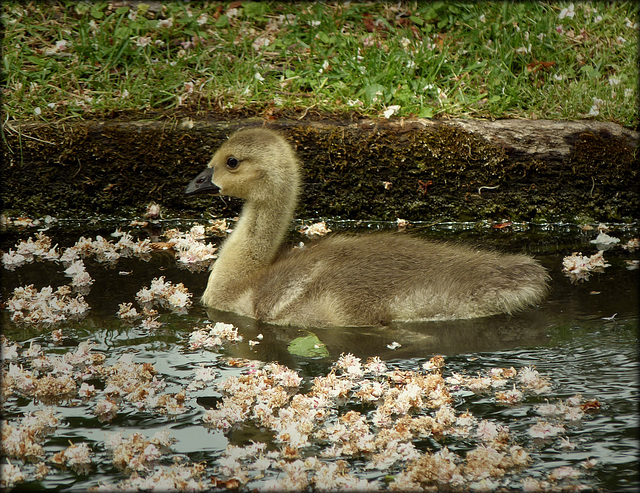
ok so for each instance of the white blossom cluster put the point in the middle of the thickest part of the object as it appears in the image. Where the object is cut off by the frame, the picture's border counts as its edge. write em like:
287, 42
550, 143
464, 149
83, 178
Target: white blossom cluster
359, 413
46, 306
50, 306
191, 251
407, 405
579, 267
315, 230
213, 336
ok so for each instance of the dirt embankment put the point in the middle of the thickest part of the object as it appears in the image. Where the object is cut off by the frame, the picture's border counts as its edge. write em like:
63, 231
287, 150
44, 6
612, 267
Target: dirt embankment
417, 170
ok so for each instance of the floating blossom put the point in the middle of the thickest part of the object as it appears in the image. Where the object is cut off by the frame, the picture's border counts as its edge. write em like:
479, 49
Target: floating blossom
213, 336
204, 374
487, 430
76, 457
531, 379
24, 440
106, 410
632, 245
605, 239
563, 472
11, 260
632, 264
567, 444
8, 350
136, 452
191, 251
176, 297
415, 407
544, 429
86, 390
11, 475
315, 229
176, 477
512, 396
30, 250
127, 312
410, 404
150, 323
154, 211
351, 366
375, 365
218, 227
78, 273
44, 307
402, 224
579, 267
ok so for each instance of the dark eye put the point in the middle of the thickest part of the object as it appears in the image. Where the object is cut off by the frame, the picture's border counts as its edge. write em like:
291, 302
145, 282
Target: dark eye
232, 163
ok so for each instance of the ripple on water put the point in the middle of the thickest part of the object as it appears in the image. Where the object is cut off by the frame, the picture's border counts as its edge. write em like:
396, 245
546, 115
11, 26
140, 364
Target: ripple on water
565, 339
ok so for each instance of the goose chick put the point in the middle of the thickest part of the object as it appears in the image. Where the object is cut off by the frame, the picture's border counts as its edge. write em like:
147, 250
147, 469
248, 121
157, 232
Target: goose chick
344, 279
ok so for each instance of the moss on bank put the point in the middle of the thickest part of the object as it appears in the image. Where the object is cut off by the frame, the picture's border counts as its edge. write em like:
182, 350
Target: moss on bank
417, 170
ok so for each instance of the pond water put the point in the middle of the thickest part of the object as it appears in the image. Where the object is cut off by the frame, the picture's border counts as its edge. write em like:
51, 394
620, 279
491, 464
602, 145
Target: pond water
541, 400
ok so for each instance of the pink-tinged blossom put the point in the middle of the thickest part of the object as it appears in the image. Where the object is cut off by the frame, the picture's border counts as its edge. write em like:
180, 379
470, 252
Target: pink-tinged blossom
532, 380
76, 457
150, 323
11, 260
8, 350
127, 312
512, 396
578, 267
350, 365
375, 366
86, 390
563, 472
11, 476
315, 230
544, 429
487, 430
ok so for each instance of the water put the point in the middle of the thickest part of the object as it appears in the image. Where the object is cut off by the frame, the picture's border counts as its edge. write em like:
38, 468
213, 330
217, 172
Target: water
583, 338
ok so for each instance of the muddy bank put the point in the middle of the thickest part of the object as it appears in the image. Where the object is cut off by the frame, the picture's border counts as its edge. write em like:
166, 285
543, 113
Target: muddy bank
456, 170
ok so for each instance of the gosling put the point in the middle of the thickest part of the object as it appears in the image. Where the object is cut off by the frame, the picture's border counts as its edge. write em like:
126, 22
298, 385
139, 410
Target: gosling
342, 280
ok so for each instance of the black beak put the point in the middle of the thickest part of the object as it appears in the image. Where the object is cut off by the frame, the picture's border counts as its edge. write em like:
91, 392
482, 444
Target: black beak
202, 184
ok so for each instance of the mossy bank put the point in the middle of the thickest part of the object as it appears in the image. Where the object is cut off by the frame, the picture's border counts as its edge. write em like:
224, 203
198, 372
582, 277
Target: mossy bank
450, 170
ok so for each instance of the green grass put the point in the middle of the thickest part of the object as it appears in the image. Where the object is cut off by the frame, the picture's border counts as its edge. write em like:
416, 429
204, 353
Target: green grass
428, 59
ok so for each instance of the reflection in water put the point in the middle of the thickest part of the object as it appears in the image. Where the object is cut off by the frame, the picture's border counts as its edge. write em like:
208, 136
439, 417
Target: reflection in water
583, 336
602, 296
416, 339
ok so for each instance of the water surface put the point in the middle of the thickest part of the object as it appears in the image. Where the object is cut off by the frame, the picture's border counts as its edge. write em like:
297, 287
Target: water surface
583, 338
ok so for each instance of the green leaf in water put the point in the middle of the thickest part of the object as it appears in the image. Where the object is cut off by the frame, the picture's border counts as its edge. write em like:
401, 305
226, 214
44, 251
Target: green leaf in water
308, 346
